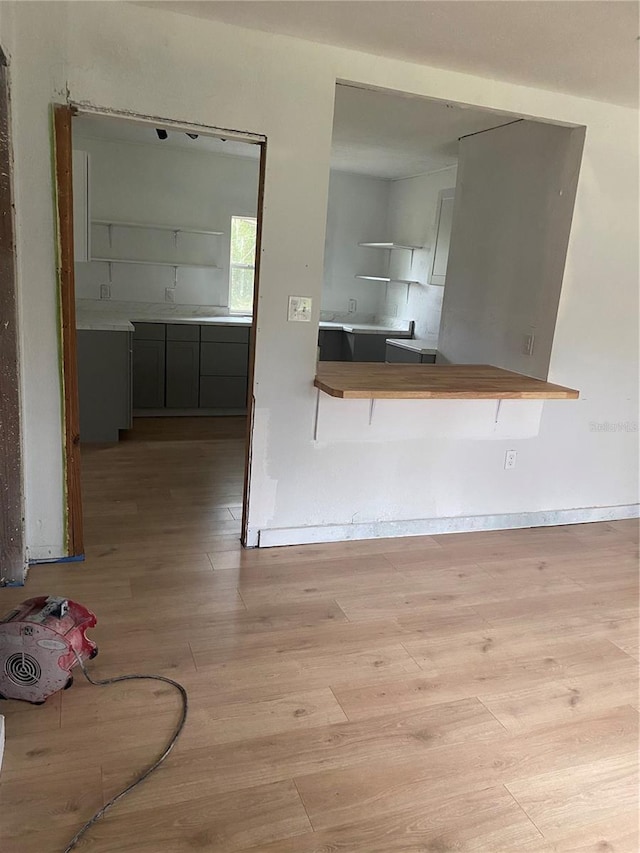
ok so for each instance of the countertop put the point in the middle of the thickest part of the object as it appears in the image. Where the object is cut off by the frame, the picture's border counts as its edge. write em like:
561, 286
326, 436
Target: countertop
424, 346
433, 381
102, 320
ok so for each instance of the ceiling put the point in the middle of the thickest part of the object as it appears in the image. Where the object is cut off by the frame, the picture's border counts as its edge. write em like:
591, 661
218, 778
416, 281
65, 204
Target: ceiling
142, 133
395, 136
583, 47
382, 134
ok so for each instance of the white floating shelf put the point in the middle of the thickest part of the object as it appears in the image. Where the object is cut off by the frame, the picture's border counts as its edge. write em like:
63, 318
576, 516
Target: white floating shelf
172, 228
387, 280
389, 246
155, 263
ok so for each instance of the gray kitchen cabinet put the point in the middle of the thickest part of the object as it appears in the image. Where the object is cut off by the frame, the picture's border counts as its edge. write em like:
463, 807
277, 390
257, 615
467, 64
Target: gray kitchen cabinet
178, 366
104, 384
224, 366
225, 334
399, 355
182, 374
224, 359
149, 349
365, 347
332, 344
223, 392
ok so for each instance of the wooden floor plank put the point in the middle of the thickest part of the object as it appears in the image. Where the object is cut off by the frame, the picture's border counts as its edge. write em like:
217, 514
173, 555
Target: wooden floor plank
336, 797
476, 822
366, 697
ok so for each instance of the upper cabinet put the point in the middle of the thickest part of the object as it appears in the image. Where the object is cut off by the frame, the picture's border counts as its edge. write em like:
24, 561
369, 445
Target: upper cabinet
444, 218
81, 207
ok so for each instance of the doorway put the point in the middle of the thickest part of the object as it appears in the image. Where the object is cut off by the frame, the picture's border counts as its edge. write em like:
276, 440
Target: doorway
160, 227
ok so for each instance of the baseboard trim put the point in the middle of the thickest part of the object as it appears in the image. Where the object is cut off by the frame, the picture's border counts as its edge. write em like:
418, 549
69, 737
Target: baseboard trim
274, 537
76, 559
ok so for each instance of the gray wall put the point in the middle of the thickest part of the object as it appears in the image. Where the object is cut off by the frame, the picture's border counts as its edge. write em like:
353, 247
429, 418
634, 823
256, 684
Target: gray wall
514, 204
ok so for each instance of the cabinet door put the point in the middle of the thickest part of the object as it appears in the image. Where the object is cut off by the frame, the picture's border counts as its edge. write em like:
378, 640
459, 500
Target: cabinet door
399, 355
103, 384
224, 359
443, 237
223, 392
183, 374
331, 342
365, 347
148, 374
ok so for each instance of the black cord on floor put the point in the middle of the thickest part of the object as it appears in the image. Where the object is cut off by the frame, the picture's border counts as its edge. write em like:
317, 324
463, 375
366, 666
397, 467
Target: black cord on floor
178, 731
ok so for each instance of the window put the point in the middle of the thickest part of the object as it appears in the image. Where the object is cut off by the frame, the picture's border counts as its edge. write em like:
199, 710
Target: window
242, 265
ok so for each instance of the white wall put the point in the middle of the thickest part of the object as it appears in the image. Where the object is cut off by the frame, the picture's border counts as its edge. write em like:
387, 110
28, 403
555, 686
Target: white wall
511, 223
162, 184
413, 212
357, 213
177, 67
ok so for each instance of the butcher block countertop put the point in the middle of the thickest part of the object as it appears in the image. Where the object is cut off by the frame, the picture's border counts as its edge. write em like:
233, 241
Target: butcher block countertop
358, 381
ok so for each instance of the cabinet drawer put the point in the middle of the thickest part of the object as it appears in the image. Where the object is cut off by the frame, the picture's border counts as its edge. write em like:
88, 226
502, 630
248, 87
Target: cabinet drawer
223, 359
222, 334
183, 332
223, 392
149, 331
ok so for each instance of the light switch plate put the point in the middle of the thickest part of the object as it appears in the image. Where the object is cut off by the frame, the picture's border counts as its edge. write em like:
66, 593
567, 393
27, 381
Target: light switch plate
299, 309
105, 291
169, 294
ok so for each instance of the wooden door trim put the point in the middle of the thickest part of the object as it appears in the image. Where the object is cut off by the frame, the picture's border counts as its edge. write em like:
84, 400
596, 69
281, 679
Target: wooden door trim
63, 159
13, 562
252, 349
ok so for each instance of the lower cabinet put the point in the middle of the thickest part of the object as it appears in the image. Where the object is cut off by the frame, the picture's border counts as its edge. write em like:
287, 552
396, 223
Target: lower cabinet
361, 347
149, 367
400, 355
224, 367
223, 392
104, 384
182, 366
190, 366
331, 344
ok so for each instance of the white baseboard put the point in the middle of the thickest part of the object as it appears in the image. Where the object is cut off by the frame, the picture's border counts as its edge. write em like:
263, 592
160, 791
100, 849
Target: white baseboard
270, 538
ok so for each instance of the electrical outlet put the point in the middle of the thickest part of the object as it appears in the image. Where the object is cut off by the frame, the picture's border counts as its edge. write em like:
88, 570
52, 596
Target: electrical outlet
527, 345
105, 291
510, 458
353, 306
169, 294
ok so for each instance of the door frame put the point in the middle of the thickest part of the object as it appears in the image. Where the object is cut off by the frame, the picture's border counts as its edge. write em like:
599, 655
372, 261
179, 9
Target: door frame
63, 184
63, 154
13, 560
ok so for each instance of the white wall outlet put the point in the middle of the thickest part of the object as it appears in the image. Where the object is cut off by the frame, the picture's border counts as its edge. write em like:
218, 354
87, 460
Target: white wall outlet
527, 344
510, 459
105, 291
299, 309
169, 294
353, 306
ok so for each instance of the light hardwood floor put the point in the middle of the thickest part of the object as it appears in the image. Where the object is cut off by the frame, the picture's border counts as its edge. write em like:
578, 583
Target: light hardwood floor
472, 692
